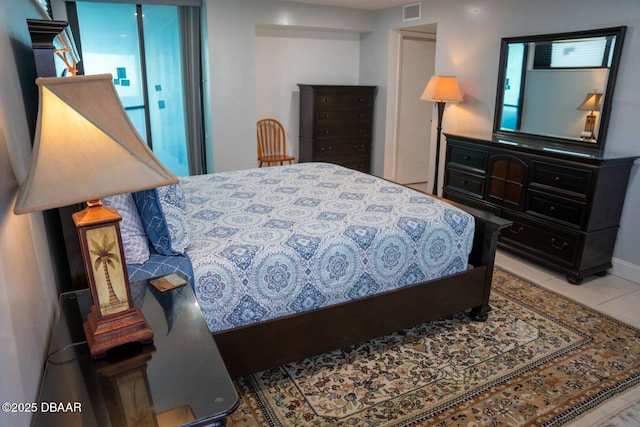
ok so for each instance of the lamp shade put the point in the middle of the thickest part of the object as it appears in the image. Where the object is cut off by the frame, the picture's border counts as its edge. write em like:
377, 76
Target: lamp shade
442, 89
592, 102
85, 147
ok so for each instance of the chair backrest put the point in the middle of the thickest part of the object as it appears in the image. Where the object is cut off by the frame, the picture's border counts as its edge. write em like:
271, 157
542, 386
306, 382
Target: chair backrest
271, 138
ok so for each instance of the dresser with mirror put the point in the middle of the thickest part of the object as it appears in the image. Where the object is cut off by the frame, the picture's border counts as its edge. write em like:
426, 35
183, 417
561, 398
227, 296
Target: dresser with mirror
544, 166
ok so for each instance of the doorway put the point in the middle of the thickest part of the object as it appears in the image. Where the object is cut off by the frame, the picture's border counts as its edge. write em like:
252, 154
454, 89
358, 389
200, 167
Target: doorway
414, 115
408, 151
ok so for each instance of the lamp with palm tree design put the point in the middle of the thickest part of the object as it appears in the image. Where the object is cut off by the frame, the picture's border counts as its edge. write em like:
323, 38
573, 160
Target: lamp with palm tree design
86, 148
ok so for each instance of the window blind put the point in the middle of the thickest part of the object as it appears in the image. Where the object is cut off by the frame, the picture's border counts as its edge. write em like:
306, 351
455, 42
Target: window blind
590, 53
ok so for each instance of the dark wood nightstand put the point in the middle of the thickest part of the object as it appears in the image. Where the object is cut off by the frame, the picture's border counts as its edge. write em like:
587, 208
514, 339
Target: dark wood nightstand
179, 379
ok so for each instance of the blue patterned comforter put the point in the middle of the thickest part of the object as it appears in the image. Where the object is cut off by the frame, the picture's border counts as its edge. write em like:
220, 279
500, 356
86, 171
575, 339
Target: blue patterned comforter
270, 242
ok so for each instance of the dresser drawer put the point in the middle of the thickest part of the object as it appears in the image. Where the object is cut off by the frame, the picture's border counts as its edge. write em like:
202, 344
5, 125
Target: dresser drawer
542, 240
340, 148
467, 158
338, 130
342, 116
572, 213
343, 101
463, 182
561, 178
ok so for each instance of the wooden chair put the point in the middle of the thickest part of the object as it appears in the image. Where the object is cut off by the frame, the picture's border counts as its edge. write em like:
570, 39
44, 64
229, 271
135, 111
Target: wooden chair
272, 143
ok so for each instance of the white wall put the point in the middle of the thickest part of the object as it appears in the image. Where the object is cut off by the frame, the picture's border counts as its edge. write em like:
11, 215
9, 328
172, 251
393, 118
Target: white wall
27, 281
286, 57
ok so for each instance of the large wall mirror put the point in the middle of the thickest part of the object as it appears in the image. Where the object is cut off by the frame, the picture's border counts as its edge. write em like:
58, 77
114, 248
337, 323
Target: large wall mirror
558, 87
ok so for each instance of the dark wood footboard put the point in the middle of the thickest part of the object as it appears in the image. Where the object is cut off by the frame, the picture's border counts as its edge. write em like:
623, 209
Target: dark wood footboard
274, 342
483, 253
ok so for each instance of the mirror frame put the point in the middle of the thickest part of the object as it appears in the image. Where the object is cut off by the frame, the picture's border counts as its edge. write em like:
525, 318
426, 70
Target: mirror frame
605, 111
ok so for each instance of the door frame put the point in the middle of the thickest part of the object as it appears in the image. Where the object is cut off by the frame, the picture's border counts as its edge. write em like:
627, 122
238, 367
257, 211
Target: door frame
393, 97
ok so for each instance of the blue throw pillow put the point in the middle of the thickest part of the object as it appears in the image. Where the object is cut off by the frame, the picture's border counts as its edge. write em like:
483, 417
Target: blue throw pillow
153, 221
174, 208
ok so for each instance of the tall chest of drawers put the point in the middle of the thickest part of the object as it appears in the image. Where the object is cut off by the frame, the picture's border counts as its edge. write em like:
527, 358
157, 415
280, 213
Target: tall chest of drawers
565, 204
336, 124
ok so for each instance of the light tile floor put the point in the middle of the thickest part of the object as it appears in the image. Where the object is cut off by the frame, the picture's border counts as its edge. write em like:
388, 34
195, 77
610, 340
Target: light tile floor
612, 295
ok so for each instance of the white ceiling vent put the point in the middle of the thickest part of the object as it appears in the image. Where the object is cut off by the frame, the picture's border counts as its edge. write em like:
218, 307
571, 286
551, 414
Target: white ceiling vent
411, 11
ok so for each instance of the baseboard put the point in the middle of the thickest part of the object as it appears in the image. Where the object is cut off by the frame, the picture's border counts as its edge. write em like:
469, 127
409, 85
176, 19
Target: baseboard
626, 270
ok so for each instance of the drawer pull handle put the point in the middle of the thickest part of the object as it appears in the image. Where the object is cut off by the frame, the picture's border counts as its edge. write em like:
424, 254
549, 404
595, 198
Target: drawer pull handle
467, 158
465, 182
519, 230
552, 208
326, 132
557, 246
326, 115
325, 149
358, 147
557, 179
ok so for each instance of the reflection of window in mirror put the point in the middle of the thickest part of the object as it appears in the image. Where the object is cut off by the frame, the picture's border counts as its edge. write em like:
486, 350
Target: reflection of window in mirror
511, 110
596, 52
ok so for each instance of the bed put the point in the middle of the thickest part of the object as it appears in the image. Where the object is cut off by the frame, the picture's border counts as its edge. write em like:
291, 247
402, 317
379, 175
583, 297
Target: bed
292, 261
167, 244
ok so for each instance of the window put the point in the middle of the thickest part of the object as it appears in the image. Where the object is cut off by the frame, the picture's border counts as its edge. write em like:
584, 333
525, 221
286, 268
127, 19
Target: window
141, 46
595, 52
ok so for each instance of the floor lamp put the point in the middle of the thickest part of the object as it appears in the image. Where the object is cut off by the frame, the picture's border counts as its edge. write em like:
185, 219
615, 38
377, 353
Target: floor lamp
441, 89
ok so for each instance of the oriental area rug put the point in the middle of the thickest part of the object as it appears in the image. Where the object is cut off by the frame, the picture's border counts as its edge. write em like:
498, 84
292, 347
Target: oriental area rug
541, 359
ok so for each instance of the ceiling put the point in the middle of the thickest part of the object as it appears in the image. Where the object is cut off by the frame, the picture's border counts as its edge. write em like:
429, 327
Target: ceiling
358, 4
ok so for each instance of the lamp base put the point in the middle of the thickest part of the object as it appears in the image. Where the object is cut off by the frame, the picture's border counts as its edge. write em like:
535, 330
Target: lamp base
589, 126
115, 330
587, 135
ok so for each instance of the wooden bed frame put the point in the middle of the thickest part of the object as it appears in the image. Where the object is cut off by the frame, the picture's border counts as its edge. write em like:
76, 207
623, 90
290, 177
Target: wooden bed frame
271, 343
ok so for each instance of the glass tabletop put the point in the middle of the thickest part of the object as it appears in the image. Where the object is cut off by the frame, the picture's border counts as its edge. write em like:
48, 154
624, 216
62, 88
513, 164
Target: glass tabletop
178, 379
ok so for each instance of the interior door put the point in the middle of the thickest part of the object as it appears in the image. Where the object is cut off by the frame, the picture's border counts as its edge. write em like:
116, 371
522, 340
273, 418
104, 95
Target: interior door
414, 116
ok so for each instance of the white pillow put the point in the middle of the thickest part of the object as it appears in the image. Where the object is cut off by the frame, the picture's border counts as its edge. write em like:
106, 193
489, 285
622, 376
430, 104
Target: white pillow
134, 238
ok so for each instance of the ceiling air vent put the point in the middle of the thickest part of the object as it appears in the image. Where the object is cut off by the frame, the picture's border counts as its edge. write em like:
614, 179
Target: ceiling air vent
411, 11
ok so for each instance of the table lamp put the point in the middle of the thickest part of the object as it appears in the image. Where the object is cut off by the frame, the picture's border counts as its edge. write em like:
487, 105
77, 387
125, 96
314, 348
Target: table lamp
441, 89
86, 148
591, 103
